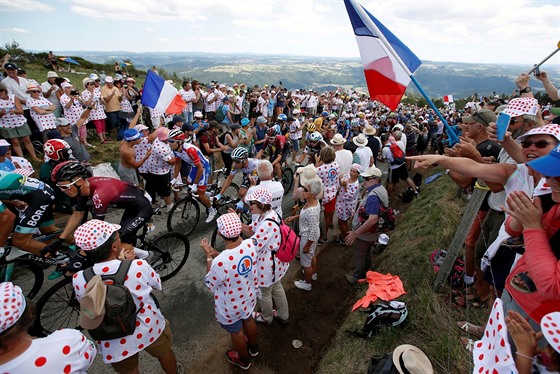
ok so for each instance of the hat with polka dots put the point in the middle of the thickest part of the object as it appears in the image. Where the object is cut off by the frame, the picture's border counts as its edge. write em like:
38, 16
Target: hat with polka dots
550, 327
260, 194
356, 167
229, 225
551, 129
13, 305
94, 233
522, 105
162, 133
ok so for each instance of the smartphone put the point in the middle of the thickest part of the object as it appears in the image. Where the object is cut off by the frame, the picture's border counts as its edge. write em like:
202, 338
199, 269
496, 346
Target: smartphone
502, 124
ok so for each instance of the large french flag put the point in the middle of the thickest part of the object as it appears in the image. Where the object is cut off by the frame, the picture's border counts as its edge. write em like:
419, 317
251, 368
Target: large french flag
161, 95
385, 77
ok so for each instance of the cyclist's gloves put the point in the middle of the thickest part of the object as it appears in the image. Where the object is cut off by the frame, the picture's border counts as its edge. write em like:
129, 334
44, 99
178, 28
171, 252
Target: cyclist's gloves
218, 196
193, 188
53, 247
240, 205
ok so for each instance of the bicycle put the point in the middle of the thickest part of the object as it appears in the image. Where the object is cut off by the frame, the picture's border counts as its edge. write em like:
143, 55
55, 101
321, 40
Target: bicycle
185, 213
58, 308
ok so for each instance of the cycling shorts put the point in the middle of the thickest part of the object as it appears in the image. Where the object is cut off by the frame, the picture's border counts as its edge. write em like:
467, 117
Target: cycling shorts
203, 179
134, 218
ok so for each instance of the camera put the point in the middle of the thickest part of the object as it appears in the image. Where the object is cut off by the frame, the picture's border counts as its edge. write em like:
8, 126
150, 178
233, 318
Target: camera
125, 86
74, 93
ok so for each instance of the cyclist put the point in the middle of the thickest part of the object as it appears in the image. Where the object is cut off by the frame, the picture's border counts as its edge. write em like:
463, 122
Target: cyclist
33, 200
281, 125
75, 181
314, 145
279, 148
244, 164
7, 219
199, 170
57, 151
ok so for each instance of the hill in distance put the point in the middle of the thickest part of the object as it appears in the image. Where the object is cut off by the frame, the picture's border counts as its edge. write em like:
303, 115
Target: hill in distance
437, 78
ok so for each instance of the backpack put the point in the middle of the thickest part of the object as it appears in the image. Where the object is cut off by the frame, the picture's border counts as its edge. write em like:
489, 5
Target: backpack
457, 271
386, 221
382, 365
398, 154
120, 310
392, 313
220, 115
289, 246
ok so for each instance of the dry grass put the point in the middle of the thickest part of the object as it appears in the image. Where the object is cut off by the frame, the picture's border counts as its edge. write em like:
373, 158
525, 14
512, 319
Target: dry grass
429, 223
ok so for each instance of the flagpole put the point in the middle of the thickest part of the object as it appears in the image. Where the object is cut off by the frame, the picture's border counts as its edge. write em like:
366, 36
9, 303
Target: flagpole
365, 18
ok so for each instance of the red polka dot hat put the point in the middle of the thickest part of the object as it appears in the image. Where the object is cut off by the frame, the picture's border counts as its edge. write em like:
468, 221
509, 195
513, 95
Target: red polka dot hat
260, 194
551, 129
522, 105
13, 305
550, 327
229, 225
94, 233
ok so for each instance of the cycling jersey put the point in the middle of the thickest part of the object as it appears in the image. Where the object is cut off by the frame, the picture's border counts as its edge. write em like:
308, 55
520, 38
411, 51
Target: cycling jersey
281, 146
311, 150
251, 168
192, 155
110, 192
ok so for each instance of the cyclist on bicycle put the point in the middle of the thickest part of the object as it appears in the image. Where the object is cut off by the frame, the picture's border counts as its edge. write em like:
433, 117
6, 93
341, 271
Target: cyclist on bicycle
244, 164
75, 181
199, 171
282, 124
33, 201
314, 145
279, 148
57, 151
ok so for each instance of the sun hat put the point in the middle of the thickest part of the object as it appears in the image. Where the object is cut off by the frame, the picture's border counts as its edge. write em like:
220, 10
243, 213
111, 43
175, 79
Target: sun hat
65, 85
548, 165
94, 233
370, 130
360, 140
260, 194
296, 111
87, 80
245, 122
61, 121
372, 171
52, 74
108, 80
13, 304
198, 114
522, 105
411, 360
162, 133
229, 225
356, 167
131, 135
551, 129
140, 128
32, 87
550, 328
307, 173
338, 139
483, 116
261, 119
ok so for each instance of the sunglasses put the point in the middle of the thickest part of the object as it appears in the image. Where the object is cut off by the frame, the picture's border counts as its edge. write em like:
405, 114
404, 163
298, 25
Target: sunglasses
65, 187
513, 120
540, 144
90, 84
238, 162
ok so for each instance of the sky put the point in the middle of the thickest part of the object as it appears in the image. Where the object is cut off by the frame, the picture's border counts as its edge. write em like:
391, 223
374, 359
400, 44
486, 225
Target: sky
475, 31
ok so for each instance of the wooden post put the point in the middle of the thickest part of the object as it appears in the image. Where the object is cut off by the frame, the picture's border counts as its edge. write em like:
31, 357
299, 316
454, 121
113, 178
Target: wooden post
460, 235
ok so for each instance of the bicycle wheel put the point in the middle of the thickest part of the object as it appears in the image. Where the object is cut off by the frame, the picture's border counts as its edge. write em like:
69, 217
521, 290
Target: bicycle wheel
287, 179
24, 273
57, 309
171, 251
229, 199
184, 216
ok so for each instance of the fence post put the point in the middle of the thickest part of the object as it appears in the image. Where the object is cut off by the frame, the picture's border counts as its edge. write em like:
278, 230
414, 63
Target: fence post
459, 238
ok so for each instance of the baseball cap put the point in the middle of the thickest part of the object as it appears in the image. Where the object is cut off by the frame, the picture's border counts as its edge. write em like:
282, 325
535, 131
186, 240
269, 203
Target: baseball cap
187, 127
260, 194
483, 116
10, 65
13, 305
94, 233
372, 171
141, 128
550, 129
177, 119
522, 105
131, 135
62, 122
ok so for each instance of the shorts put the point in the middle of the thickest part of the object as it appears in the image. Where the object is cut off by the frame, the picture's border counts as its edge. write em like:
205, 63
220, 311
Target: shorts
305, 258
234, 327
295, 144
39, 212
474, 232
203, 179
127, 174
245, 183
330, 206
157, 349
99, 125
133, 219
15, 132
398, 174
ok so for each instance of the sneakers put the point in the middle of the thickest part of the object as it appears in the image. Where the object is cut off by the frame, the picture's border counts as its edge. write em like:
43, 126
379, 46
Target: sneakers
313, 277
302, 285
253, 351
338, 241
234, 359
322, 241
211, 214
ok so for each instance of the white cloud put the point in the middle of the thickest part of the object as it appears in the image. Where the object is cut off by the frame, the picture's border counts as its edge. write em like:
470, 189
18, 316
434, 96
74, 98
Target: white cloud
16, 30
149, 29
24, 5
322, 8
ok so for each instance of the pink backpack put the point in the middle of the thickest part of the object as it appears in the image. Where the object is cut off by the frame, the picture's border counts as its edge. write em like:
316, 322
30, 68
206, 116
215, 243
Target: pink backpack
289, 246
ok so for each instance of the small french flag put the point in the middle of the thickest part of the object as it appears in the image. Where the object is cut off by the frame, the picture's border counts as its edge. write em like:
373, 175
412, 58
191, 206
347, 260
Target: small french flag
161, 95
448, 99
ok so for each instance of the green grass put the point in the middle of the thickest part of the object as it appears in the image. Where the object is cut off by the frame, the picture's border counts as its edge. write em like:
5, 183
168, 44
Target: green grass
428, 223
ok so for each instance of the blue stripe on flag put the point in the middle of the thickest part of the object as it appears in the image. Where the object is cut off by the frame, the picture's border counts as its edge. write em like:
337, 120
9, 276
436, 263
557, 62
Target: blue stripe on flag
152, 89
360, 29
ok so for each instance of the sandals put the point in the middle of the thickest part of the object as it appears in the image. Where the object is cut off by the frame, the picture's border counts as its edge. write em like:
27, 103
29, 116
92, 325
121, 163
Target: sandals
468, 344
260, 319
470, 329
469, 297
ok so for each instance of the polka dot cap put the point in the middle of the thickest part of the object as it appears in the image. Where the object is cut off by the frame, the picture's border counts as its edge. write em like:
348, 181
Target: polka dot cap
260, 194
550, 327
356, 167
522, 105
94, 233
13, 305
229, 225
551, 129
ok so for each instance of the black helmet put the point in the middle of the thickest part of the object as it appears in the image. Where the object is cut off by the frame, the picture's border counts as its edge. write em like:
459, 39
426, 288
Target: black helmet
69, 170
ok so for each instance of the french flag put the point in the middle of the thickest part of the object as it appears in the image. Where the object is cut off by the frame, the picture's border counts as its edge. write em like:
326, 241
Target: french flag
448, 99
385, 77
161, 95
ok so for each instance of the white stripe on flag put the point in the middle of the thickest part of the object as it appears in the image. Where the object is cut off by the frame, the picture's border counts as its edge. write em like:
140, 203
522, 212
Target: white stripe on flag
166, 96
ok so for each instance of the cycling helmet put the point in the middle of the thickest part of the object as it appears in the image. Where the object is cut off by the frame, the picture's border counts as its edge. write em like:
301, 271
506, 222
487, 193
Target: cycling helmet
272, 132
176, 134
282, 117
57, 150
239, 154
11, 181
310, 127
315, 136
69, 170
325, 114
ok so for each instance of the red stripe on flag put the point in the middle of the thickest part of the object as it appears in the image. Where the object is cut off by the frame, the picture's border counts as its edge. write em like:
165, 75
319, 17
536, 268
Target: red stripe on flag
384, 89
176, 106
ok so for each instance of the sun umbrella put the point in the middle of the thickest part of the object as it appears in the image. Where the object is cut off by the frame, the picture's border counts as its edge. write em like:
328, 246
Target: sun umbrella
69, 61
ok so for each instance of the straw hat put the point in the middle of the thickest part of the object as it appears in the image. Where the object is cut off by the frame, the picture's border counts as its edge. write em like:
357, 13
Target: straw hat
409, 359
370, 130
360, 140
338, 139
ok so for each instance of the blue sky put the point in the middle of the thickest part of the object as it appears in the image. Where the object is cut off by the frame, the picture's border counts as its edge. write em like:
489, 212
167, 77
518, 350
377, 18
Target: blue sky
489, 31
